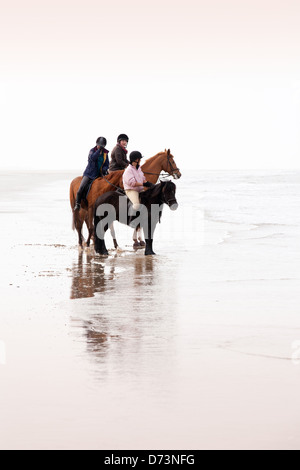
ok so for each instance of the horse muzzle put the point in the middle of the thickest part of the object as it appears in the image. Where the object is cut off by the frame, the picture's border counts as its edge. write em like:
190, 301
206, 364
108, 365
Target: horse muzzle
173, 205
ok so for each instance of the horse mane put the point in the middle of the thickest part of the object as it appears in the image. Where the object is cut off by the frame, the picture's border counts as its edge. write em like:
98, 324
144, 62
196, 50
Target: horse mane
155, 191
152, 193
150, 160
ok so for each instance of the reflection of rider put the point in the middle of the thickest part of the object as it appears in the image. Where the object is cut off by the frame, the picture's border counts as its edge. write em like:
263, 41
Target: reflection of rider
98, 164
119, 154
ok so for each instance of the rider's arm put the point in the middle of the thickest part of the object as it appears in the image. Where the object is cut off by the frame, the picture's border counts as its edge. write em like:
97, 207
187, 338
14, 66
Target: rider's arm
105, 166
119, 158
132, 182
93, 156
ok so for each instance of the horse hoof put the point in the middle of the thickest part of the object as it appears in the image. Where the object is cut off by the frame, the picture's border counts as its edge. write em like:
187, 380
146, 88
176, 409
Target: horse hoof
149, 253
119, 250
142, 243
136, 246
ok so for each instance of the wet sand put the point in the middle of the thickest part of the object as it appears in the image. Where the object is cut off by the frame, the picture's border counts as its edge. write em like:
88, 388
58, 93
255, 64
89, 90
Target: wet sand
192, 349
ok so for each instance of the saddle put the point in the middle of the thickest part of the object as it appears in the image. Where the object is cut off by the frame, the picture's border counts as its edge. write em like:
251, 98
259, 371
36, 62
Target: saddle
86, 193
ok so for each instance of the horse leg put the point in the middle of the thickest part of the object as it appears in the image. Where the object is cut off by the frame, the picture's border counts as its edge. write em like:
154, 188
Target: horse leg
149, 238
78, 223
100, 246
90, 226
113, 234
80, 238
136, 244
149, 247
140, 237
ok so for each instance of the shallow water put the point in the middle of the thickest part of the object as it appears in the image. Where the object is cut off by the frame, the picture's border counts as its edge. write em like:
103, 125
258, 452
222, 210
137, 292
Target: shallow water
195, 348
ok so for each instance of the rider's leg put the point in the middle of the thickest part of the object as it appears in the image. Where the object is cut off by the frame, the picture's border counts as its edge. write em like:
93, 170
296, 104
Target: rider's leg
86, 181
134, 198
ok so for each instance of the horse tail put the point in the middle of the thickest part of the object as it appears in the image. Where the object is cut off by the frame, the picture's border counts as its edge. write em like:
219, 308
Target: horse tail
72, 203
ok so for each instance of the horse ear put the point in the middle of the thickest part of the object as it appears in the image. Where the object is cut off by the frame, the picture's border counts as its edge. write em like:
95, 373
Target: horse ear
169, 151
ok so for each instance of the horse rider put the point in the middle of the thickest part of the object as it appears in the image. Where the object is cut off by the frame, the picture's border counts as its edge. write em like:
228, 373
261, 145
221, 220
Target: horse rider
134, 180
119, 154
98, 164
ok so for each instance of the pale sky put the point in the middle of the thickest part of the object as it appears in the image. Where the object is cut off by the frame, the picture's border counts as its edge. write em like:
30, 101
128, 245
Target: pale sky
216, 81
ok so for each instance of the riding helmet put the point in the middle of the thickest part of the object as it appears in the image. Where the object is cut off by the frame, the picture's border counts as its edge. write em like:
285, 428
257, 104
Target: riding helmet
123, 137
101, 141
135, 156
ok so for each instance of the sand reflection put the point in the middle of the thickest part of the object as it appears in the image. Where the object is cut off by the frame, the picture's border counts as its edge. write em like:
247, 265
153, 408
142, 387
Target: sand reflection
125, 307
91, 276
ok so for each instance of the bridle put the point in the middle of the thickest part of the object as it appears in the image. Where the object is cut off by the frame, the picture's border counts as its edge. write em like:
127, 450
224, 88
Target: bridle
170, 202
165, 175
173, 169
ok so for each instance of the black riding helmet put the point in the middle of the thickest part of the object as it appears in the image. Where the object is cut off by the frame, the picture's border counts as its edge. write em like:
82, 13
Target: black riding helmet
101, 141
135, 156
123, 137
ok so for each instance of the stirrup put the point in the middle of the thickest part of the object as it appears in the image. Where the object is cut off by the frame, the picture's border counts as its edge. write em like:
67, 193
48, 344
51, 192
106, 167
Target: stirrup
121, 192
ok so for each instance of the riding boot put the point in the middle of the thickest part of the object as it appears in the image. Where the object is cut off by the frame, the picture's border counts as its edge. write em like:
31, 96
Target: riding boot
82, 191
78, 201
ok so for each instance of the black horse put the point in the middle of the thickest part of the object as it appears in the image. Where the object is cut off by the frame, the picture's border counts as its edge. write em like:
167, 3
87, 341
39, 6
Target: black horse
112, 206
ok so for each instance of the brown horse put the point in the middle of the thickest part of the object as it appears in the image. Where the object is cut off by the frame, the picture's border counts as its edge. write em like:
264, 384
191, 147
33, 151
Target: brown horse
163, 161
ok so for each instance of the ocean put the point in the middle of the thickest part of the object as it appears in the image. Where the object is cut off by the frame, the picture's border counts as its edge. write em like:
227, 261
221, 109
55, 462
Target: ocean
195, 348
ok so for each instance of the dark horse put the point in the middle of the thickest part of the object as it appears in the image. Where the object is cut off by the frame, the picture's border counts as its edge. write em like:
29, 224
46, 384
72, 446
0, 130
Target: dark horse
111, 206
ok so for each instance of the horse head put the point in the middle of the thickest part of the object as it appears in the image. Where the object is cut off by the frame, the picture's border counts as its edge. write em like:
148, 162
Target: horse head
169, 165
169, 195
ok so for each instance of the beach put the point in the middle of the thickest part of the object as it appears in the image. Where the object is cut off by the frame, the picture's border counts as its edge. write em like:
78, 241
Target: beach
195, 348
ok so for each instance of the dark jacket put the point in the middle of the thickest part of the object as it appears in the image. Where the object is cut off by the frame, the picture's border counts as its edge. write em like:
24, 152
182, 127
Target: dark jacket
118, 159
98, 163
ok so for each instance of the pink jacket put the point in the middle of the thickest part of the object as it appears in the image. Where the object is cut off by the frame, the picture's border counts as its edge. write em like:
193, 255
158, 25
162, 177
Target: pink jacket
131, 176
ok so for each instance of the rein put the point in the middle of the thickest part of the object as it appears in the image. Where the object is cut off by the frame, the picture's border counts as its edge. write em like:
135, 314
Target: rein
164, 175
119, 190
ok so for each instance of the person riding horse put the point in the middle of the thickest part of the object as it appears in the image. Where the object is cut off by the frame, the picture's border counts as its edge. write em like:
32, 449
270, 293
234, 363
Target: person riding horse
98, 164
119, 154
134, 180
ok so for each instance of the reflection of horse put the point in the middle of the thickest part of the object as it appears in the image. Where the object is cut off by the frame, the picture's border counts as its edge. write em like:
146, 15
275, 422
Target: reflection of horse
152, 168
107, 330
148, 216
88, 277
